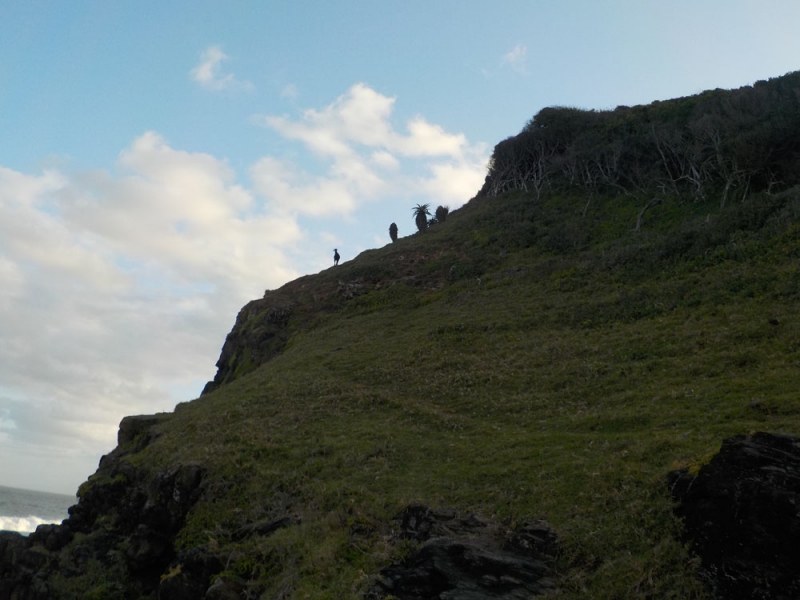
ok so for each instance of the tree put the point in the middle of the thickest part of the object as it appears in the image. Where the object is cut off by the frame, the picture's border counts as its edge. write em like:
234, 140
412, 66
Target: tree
393, 232
441, 213
421, 214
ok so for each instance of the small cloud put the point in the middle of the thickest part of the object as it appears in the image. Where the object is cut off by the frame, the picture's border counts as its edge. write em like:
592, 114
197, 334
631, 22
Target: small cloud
385, 160
290, 91
209, 72
517, 58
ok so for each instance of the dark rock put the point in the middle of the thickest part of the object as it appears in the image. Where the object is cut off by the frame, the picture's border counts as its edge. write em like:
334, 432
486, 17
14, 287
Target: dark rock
189, 575
125, 520
132, 427
209, 387
224, 590
52, 537
742, 515
12, 546
148, 549
263, 528
11, 542
445, 568
533, 537
466, 557
259, 334
170, 494
350, 289
20, 569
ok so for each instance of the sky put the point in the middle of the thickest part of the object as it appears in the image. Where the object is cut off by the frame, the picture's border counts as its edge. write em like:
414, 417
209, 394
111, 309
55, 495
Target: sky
163, 163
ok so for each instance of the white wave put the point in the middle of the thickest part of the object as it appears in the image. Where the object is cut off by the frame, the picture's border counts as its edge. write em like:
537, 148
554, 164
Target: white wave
23, 525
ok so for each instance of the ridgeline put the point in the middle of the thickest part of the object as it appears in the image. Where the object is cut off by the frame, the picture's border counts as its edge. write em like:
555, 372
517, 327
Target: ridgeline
498, 407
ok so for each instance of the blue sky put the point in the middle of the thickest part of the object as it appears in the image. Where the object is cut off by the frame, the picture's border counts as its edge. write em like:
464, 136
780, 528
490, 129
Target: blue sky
161, 163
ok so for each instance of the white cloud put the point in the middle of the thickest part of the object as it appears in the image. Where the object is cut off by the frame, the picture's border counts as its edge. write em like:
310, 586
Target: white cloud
384, 160
361, 117
117, 288
367, 158
298, 192
209, 72
517, 59
425, 139
290, 91
452, 184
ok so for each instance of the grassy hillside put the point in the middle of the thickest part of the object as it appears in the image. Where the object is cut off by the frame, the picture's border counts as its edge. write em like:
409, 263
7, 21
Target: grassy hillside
551, 351
519, 361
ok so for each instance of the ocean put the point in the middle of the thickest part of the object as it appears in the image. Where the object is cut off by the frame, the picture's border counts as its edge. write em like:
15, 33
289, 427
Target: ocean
24, 510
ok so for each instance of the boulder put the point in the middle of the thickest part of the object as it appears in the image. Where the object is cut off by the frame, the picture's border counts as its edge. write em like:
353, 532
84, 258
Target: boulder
263, 528
189, 575
742, 515
466, 557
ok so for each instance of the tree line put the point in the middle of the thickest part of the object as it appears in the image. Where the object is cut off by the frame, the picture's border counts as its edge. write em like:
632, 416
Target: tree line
720, 144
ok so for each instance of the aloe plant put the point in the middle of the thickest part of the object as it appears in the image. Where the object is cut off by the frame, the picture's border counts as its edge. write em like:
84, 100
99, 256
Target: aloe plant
421, 214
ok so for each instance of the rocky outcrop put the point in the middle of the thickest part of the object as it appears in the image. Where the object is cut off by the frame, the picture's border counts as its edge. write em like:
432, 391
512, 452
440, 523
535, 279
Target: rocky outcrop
20, 568
466, 557
351, 289
125, 522
260, 333
262, 327
139, 429
742, 515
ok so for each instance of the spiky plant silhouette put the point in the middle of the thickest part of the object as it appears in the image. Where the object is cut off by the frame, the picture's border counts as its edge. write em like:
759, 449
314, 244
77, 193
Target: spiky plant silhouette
421, 214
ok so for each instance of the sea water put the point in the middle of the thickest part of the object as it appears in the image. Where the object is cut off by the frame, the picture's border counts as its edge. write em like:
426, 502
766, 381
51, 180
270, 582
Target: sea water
24, 510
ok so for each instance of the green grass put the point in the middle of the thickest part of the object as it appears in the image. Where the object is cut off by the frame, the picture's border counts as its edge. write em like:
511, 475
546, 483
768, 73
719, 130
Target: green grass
520, 384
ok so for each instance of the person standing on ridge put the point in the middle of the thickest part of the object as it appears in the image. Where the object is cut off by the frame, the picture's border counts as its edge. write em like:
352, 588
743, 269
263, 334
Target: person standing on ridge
335, 257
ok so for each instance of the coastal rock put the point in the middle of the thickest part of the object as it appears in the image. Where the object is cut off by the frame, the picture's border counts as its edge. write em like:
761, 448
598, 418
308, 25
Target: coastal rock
466, 557
147, 549
139, 425
742, 515
21, 569
189, 575
52, 537
125, 521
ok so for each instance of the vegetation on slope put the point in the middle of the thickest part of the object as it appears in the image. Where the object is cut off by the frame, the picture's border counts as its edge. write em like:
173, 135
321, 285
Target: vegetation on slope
720, 144
534, 356
557, 386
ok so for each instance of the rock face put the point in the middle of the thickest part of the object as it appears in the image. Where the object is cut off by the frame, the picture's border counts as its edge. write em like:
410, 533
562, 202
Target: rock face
742, 515
260, 333
464, 557
124, 523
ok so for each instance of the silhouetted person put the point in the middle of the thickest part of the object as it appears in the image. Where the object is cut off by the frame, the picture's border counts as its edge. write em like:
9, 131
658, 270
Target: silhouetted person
335, 257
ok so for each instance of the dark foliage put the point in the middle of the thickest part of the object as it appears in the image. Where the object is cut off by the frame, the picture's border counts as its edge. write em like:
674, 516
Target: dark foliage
719, 144
421, 214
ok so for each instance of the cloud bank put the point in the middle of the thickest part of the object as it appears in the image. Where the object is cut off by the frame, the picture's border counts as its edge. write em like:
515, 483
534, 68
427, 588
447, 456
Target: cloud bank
367, 158
117, 288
